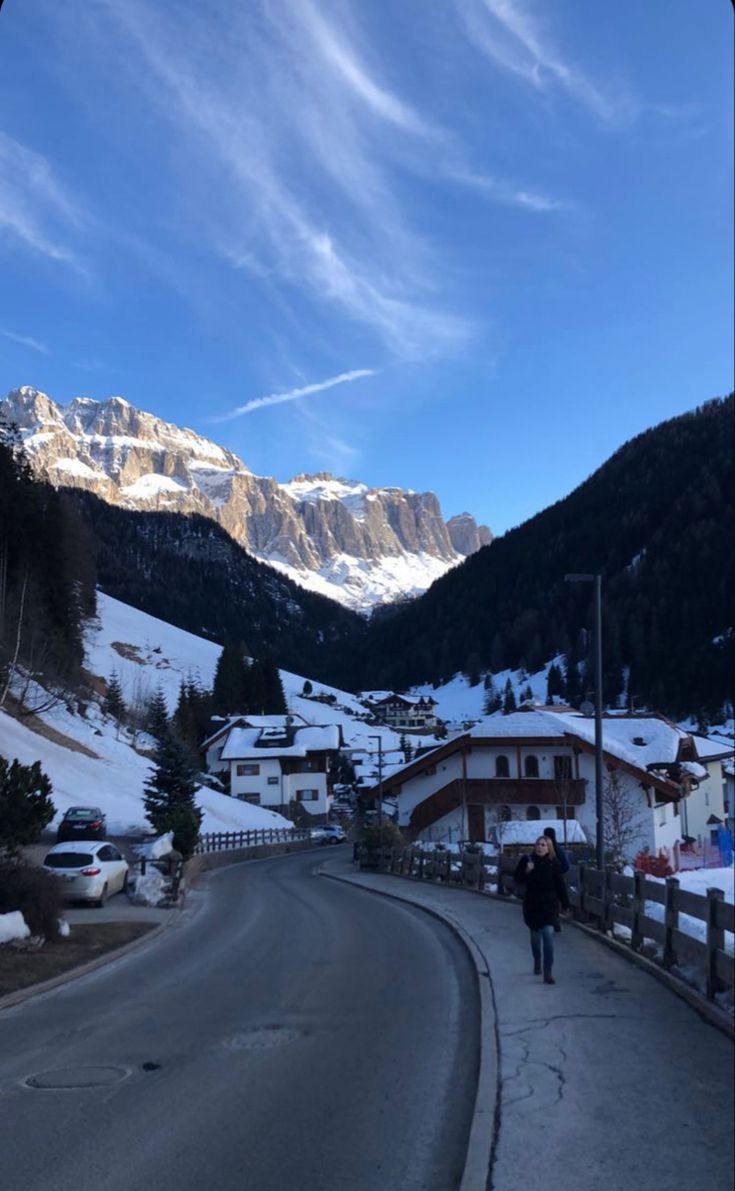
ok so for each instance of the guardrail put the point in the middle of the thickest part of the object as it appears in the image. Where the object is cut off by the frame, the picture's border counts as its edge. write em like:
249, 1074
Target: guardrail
221, 841
602, 897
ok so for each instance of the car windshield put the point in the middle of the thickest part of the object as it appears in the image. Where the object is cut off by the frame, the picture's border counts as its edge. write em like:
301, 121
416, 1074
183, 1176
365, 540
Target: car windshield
68, 859
83, 812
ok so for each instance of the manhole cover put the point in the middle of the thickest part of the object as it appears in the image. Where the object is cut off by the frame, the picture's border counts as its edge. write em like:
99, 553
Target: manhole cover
261, 1037
77, 1077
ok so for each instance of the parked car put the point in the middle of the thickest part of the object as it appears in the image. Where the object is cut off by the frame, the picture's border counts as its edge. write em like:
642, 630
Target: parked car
82, 822
330, 833
91, 871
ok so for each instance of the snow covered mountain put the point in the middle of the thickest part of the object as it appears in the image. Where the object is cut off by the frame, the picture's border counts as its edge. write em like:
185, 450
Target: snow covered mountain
358, 545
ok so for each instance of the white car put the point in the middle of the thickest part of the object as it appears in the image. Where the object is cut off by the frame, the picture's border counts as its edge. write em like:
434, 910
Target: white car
92, 870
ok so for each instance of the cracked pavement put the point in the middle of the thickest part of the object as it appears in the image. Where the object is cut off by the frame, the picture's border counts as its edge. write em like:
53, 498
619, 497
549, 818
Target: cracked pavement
606, 1079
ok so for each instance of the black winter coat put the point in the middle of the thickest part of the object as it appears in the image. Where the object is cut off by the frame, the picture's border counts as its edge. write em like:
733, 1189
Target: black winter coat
544, 891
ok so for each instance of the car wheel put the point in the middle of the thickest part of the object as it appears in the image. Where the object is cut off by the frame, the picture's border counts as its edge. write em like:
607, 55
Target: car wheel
103, 896
333, 840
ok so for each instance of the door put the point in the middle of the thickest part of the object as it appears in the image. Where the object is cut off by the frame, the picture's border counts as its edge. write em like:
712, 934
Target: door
476, 823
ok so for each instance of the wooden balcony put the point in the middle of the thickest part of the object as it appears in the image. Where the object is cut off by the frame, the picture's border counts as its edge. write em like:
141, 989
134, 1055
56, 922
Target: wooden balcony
496, 791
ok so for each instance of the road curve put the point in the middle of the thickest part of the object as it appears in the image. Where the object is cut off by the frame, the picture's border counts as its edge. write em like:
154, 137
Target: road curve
288, 1034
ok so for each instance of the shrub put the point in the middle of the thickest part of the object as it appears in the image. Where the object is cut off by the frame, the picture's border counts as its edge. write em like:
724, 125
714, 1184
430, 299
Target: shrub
383, 835
25, 805
37, 894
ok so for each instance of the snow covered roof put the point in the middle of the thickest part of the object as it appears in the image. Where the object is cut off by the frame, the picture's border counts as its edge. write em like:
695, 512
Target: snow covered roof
518, 724
639, 740
275, 722
527, 831
251, 744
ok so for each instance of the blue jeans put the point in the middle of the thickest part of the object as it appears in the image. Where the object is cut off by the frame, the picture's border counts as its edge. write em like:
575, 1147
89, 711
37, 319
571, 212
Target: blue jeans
546, 936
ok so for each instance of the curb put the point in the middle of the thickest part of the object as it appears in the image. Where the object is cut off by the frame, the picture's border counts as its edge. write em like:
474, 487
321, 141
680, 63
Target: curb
36, 990
711, 1013
486, 1113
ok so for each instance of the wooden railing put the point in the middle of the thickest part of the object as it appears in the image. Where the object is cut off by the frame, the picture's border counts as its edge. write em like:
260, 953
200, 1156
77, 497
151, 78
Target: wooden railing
602, 897
220, 841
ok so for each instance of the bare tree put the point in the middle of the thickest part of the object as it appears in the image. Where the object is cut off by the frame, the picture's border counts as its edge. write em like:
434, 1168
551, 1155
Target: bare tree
620, 810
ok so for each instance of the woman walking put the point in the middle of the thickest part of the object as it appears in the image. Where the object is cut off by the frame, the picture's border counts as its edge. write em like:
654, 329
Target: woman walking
544, 890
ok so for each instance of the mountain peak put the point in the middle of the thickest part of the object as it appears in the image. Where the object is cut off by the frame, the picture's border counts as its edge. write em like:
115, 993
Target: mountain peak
356, 544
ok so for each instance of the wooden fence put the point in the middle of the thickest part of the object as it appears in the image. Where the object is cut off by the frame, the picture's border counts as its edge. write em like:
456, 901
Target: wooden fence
602, 897
221, 841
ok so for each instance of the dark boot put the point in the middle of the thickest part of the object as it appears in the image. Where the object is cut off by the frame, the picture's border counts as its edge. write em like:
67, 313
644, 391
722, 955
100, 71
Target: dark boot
537, 967
548, 978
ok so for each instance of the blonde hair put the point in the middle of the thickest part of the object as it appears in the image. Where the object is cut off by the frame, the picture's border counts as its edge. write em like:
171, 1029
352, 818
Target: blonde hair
549, 845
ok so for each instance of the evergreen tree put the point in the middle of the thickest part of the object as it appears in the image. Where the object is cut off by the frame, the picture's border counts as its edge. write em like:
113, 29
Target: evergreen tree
307, 688
267, 696
169, 795
25, 805
554, 683
509, 699
114, 704
493, 700
157, 715
231, 688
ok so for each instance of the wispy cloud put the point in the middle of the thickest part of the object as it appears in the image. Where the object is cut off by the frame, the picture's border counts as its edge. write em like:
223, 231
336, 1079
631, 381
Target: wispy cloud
305, 147
34, 207
507, 193
26, 341
509, 33
295, 394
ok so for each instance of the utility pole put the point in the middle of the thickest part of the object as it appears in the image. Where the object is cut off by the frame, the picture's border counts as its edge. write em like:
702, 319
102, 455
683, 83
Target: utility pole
600, 834
380, 777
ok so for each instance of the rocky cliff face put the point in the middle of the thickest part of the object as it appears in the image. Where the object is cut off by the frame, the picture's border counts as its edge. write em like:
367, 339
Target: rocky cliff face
356, 544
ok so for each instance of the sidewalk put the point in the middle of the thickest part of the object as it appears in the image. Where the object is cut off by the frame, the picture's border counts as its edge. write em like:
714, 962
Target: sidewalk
602, 1082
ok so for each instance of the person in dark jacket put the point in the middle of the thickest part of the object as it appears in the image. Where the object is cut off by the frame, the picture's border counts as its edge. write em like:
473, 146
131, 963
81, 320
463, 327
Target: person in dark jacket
559, 852
545, 891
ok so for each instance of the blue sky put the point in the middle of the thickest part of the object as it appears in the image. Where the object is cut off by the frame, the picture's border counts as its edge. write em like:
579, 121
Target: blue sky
469, 246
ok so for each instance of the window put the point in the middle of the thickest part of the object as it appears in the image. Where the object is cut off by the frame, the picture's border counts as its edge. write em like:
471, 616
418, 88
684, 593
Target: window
533, 812
254, 798
272, 781
307, 795
247, 769
501, 766
505, 814
563, 769
531, 766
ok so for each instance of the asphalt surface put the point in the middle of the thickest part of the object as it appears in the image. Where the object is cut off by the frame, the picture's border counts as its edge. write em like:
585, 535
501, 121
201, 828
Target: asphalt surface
287, 1033
606, 1080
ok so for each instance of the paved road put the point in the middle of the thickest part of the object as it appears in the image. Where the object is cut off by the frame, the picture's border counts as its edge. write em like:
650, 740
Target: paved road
299, 1034
606, 1081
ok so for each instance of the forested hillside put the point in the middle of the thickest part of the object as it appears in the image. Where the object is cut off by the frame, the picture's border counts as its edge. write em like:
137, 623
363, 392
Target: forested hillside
47, 580
188, 571
656, 521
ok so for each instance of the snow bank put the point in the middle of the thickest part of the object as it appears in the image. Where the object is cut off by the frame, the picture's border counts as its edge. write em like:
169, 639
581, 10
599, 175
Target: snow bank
13, 926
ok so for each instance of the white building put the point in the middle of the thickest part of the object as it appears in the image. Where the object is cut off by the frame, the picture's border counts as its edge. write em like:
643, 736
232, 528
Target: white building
539, 764
271, 766
405, 711
213, 746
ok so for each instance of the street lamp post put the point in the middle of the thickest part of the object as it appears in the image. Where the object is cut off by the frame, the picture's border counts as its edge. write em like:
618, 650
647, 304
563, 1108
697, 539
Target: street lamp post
597, 580
380, 777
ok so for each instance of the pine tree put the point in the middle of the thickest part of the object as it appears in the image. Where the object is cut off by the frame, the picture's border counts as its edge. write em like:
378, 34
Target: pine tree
509, 699
231, 688
169, 795
493, 700
307, 688
554, 683
157, 715
114, 703
25, 805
